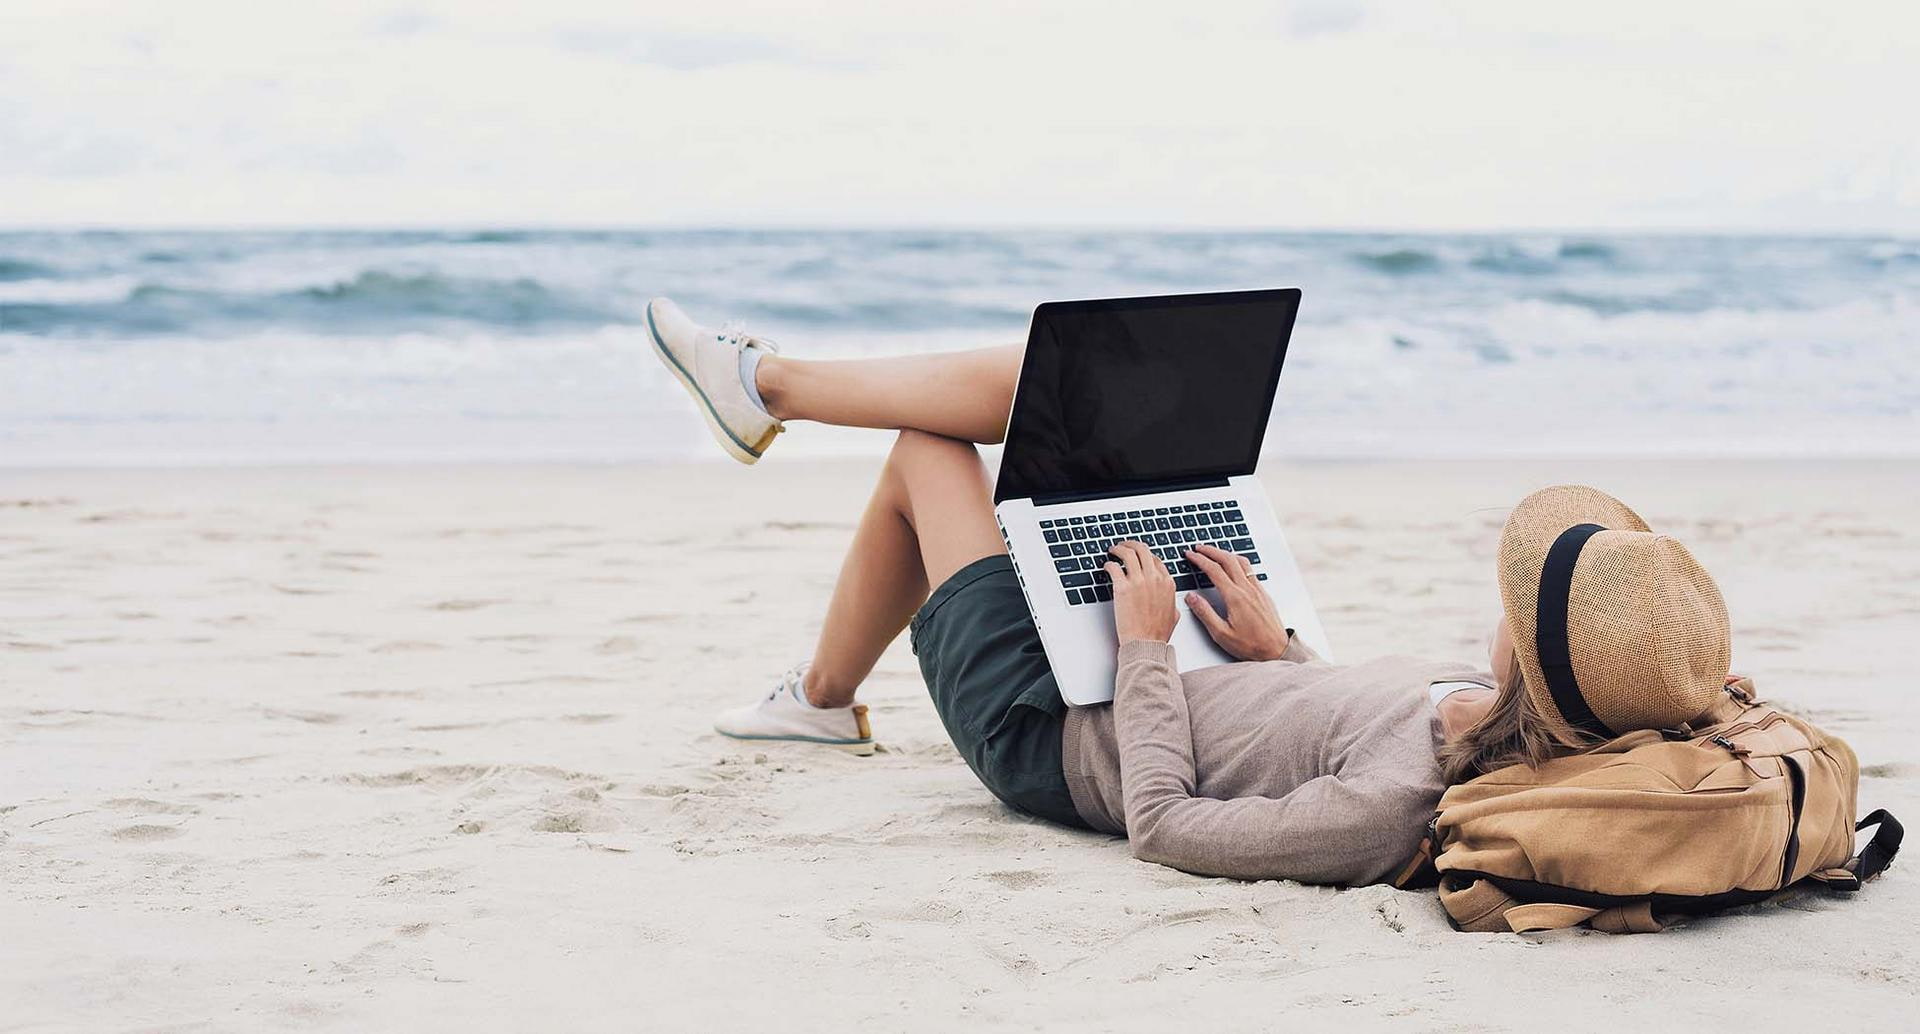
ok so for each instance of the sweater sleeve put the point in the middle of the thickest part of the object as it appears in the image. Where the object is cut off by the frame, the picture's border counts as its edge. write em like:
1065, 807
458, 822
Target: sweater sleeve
1298, 651
1331, 829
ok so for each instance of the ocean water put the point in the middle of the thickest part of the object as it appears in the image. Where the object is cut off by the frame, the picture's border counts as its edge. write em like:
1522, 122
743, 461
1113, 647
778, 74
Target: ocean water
190, 348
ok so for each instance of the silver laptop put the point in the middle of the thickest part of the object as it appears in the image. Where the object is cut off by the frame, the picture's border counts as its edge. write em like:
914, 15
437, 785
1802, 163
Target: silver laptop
1142, 418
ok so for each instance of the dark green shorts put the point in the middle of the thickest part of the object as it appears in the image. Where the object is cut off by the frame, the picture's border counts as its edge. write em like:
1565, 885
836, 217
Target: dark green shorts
993, 688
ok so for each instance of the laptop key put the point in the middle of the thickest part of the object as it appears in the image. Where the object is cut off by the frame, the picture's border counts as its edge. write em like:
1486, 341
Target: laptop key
1077, 578
1103, 593
1064, 566
1242, 545
1060, 550
1052, 536
1252, 558
1235, 515
1183, 583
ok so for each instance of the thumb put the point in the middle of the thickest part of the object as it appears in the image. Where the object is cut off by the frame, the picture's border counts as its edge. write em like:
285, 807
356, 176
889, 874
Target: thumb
1204, 611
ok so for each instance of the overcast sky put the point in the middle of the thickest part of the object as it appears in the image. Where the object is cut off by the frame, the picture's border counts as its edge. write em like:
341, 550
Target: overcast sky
1315, 113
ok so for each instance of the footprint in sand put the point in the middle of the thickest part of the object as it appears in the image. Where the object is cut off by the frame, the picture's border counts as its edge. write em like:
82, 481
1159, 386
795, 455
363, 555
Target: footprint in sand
1018, 879
406, 646
144, 833
562, 822
149, 806
474, 604
308, 717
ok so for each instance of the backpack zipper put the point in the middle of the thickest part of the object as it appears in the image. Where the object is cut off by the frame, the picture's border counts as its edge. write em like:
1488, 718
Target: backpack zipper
1724, 738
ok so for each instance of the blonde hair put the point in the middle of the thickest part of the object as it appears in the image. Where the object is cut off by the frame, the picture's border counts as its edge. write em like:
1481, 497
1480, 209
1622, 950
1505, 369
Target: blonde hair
1513, 732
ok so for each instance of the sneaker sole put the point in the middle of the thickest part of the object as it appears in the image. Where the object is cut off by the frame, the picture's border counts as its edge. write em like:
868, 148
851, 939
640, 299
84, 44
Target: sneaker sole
735, 447
859, 748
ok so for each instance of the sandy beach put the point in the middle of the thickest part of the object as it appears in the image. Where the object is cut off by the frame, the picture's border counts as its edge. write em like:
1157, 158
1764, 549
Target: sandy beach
428, 748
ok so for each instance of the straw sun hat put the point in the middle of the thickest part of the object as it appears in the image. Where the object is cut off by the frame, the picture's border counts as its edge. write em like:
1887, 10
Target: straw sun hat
1616, 628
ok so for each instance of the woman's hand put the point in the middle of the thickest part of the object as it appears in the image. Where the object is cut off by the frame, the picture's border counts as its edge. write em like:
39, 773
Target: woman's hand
1142, 593
1252, 629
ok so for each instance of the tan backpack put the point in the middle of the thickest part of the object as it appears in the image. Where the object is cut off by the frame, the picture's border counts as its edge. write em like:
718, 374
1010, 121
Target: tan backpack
1654, 823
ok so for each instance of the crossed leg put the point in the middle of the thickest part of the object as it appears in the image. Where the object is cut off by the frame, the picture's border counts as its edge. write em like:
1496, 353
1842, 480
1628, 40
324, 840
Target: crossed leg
931, 513
963, 395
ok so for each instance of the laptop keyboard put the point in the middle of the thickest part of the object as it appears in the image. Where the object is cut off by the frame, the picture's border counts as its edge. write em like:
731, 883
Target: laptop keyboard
1079, 544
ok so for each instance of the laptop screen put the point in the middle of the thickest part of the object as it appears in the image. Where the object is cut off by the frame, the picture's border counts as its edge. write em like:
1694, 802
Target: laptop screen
1131, 393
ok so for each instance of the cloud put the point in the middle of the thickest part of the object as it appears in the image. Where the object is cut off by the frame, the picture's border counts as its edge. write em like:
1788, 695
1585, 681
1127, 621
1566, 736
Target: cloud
1307, 18
1428, 114
683, 51
406, 22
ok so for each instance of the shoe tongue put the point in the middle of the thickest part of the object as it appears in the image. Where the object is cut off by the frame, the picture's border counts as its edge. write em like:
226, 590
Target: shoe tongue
795, 684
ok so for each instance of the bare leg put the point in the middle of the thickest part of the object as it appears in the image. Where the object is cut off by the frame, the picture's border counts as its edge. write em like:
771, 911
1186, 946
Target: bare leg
964, 395
931, 515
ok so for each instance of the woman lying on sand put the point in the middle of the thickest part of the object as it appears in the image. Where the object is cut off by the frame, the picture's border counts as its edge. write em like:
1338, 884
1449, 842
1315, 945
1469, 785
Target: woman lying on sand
1281, 766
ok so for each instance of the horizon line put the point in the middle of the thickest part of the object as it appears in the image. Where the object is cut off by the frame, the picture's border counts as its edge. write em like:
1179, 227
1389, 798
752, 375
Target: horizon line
616, 226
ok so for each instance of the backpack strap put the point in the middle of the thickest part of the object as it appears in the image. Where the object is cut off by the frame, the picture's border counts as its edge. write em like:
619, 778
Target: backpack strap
1542, 916
1879, 852
1478, 907
1419, 871
1481, 907
1872, 859
1635, 918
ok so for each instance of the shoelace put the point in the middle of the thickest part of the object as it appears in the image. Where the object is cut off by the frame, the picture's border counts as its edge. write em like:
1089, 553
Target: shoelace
791, 678
734, 333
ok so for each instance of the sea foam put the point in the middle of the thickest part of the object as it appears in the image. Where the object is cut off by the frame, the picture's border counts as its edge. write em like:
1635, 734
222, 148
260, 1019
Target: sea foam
263, 347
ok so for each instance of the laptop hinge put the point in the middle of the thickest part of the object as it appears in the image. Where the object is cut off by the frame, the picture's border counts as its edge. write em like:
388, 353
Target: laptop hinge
1153, 488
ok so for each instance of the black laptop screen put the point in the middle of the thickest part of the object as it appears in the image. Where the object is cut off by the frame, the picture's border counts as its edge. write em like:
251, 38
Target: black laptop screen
1132, 393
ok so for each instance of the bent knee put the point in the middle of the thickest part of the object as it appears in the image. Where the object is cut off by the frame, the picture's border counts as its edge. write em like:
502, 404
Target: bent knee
914, 446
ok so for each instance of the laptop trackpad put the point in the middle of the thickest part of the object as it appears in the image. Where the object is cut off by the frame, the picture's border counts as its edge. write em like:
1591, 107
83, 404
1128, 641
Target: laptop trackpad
1192, 646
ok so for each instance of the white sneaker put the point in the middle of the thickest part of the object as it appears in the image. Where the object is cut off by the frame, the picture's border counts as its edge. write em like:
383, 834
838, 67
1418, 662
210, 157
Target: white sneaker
786, 715
708, 363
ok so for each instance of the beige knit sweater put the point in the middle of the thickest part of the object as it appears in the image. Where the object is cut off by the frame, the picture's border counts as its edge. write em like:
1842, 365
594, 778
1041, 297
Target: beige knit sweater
1288, 769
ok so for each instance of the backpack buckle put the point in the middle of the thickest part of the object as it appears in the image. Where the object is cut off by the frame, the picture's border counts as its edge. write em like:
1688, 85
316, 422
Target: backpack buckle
1838, 880
1729, 746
